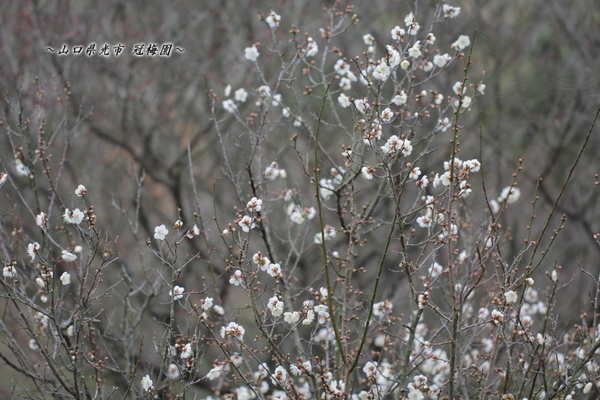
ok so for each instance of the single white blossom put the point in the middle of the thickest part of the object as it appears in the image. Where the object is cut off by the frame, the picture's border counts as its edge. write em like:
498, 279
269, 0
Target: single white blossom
32, 249
511, 296
67, 256
215, 372
311, 48
21, 168
229, 106
240, 95
173, 372
177, 292
461, 43
73, 217
247, 223
33, 345
400, 98
147, 383
237, 278
254, 204
65, 278
367, 172
187, 351
80, 191
397, 33
251, 53
450, 12
40, 219
273, 20
160, 232
9, 272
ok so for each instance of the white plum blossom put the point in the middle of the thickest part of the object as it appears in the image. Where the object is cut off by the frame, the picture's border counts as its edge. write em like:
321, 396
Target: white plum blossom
341, 67
147, 383
344, 100
262, 261
9, 272
65, 278
32, 249
177, 292
382, 308
276, 306
415, 50
229, 106
264, 91
291, 317
237, 278
382, 71
461, 43
251, 53
311, 48
458, 88
428, 66
510, 194
40, 219
273, 20
254, 204
404, 64
279, 376
466, 101
440, 60
400, 98
240, 95
160, 232
450, 12
173, 372
272, 172
430, 38
435, 270
33, 345
368, 39
274, 270
309, 318
194, 231
326, 188
397, 33
67, 256
367, 172
187, 351
345, 84
215, 372
387, 115
247, 223
395, 144
3, 178
207, 304
80, 191
227, 90
497, 317
21, 168
233, 329
330, 233
73, 217
414, 173
362, 106
511, 296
